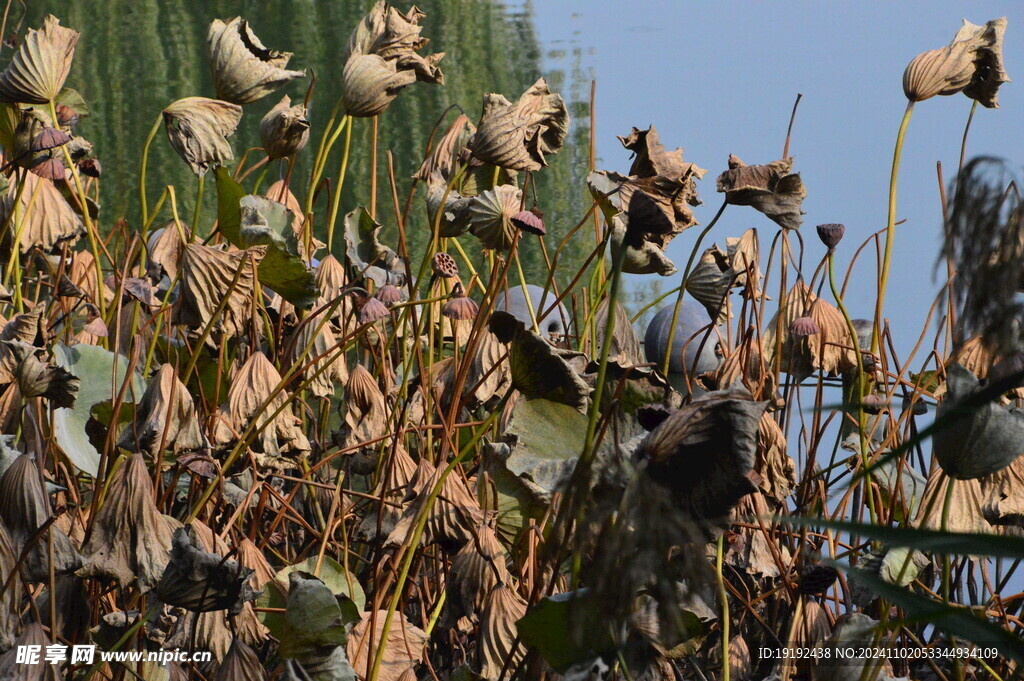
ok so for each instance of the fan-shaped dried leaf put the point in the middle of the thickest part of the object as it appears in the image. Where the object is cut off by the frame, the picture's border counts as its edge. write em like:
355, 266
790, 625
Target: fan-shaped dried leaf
198, 129
243, 69
477, 569
240, 664
625, 348
366, 417
831, 350
771, 189
1003, 500
392, 488
41, 379
165, 418
284, 130
203, 582
972, 64
520, 136
446, 150
206, 280
47, 220
965, 513
453, 515
538, 369
14, 667
404, 647
498, 632
317, 344
24, 508
41, 65
490, 216
130, 539
775, 469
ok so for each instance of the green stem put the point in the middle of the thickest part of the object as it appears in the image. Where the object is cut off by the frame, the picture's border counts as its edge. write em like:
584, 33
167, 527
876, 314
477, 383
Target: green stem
723, 597
142, 170
199, 206
347, 122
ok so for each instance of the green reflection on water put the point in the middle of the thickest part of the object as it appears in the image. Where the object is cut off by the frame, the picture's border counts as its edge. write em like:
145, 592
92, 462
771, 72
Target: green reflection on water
137, 56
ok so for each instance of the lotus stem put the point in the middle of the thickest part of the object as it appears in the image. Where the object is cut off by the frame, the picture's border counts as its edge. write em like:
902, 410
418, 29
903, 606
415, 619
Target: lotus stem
199, 205
373, 168
723, 598
142, 169
347, 122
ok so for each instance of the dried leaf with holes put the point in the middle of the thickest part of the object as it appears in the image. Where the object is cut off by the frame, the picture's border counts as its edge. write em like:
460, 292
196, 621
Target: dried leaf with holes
972, 64
243, 69
47, 221
280, 440
24, 508
403, 648
521, 136
198, 129
381, 59
830, 350
130, 540
772, 189
41, 65
207, 275
165, 419
498, 633
490, 216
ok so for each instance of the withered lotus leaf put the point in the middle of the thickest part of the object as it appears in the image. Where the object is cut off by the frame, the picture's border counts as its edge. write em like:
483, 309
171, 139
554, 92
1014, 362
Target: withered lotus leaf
831, 350
775, 469
165, 249
705, 451
771, 189
977, 438
240, 664
521, 136
41, 65
498, 633
48, 220
203, 582
366, 417
130, 540
243, 69
206, 280
625, 344
445, 152
965, 510
539, 369
370, 258
391, 487
404, 645
284, 130
165, 418
249, 397
452, 516
24, 508
9, 618
490, 216
381, 58
972, 63
477, 569
37, 378
307, 244
316, 344
198, 128
645, 259
33, 635
710, 282
456, 212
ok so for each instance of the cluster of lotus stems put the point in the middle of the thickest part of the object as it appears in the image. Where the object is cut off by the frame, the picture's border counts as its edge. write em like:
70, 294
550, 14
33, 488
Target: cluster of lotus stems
327, 463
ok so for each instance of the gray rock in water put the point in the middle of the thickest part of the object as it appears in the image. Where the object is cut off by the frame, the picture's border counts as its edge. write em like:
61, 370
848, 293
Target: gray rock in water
693, 319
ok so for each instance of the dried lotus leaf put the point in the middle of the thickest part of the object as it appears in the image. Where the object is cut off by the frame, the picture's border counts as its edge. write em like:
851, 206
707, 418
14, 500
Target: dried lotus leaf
521, 136
771, 189
37, 73
243, 69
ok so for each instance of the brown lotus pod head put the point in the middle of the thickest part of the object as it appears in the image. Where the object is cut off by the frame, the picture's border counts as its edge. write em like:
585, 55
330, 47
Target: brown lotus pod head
530, 221
90, 167
370, 309
874, 403
831, 234
389, 294
66, 116
50, 138
803, 327
460, 307
50, 168
444, 265
817, 579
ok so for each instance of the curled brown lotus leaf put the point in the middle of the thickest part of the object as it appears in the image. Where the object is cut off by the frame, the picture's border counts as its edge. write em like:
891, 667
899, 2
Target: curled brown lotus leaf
47, 219
37, 378
830, 350
710, 281
625, 345
366, 417
455, 210
243, 69
331, 279
703, 453
165, 248
451, 518
652, 158
9, 618
489, 371
240, 664
495, 647
772, 189
82, 274
252, 557
490, 216
249, 398
206, 280
316, 344
403, 650
745, 366
1002, 502
392, 488
744, 256
446, 150
972, 63
750, 550
476, 570
25, 328
521, 136
130, 540
24, 508
775, 469
165, 418
965, 506
198, 128
645, 259
37, 73
539, 369
381, 58
284, 130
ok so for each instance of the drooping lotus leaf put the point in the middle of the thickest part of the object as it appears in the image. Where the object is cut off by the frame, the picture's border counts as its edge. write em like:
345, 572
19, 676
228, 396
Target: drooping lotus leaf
710, 281
546, 439
1003, 502
367, 255
166, 418
284, 130
538, 368
201, 581
243, 69
456, 216
704, 452
521, 136
198, 128
972, 64
549, 627
498, 633
102, 377
41, 65
365, 418
37, 378
478, 567
977, 438
316, 345
490, 216
248, 221
771, 189
830, 350
241, 664
446, 150
404, 645
207, 275
48, 220
775, 469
